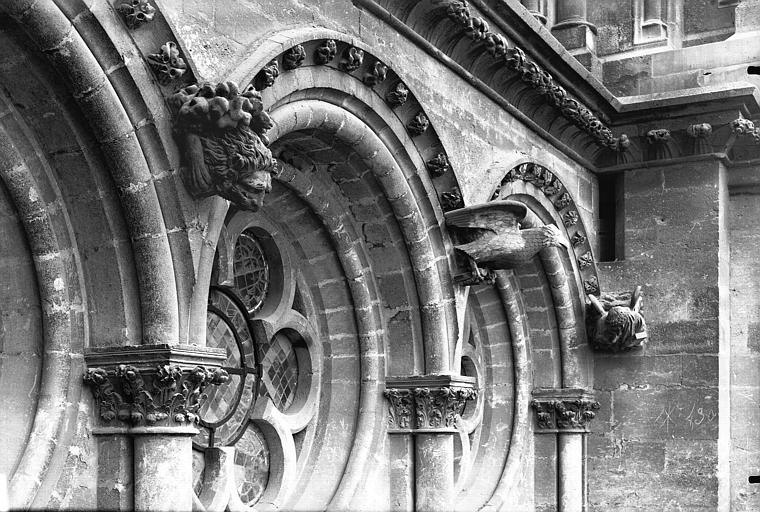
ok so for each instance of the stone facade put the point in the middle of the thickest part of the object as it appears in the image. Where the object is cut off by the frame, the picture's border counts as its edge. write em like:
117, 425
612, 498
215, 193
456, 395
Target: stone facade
379, 255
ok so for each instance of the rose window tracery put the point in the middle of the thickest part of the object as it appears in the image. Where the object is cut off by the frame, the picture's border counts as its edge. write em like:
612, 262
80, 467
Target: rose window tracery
251, 271
271, 391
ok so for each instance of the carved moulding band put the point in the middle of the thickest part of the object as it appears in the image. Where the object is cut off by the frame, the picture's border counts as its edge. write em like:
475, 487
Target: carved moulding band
428, 404
530, 73
563, 410
152, 386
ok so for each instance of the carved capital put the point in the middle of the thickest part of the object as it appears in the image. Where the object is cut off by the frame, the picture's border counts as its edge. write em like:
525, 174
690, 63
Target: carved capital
428, 403
563, 410
152, 386
700, 133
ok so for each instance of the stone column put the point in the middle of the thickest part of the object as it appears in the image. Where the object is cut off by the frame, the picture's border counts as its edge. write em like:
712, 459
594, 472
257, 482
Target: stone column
577, 34
535, 8
428, 407
147, 398
566, 413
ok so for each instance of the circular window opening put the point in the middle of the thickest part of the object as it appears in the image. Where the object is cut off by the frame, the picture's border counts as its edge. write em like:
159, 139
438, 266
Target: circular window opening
251, 271
285, 366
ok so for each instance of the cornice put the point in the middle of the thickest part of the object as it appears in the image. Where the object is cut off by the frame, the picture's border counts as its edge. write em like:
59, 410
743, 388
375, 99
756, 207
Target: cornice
600, 132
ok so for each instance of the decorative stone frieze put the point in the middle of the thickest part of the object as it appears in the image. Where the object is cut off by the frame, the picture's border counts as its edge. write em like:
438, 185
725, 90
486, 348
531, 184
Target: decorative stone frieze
570, 218
578, 239
428, 403
136, 12
377, 73
700, 135
222, 132
293, 57
541, 81
418, 124
563, 410
353, 59
167, 64
266, 77
398, 95
591, 285
660, 141
745, 128
614, 322
439, 165
326, 51
152, 385
452, 200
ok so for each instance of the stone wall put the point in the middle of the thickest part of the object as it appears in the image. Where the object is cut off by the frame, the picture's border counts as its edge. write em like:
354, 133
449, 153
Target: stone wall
657, 443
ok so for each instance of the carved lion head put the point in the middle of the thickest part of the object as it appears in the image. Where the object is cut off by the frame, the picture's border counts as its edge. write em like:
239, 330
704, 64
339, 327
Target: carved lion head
224, 151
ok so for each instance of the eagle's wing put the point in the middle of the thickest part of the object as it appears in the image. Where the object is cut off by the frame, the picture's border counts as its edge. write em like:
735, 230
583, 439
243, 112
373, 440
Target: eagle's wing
495, 216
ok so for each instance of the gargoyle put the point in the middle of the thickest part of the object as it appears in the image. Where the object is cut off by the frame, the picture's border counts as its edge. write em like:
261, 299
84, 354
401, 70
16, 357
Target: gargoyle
222, 134
489, 236
615, 323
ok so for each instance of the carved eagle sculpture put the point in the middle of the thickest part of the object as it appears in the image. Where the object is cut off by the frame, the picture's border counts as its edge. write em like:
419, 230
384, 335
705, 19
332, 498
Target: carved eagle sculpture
489, 236
615, 323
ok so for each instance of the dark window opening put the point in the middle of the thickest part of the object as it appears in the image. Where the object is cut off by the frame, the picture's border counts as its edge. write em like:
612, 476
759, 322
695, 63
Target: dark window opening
611, 218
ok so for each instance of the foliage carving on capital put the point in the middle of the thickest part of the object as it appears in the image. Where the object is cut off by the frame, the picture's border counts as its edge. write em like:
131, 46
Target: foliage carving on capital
167, 64
401, 404
136, 12
441, 407
564, 413
222, 132
154, 397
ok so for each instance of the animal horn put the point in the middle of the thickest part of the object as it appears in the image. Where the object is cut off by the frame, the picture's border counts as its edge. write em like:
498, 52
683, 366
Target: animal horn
597, 304
636, 299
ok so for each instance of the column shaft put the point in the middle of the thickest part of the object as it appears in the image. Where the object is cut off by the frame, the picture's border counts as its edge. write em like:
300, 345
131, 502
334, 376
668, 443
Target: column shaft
163, 472
434, 465
570, 472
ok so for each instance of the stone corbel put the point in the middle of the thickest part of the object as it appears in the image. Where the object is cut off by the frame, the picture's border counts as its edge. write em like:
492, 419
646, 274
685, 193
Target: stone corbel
222, 131
563, 410
152, 385
614, 322
427, 404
